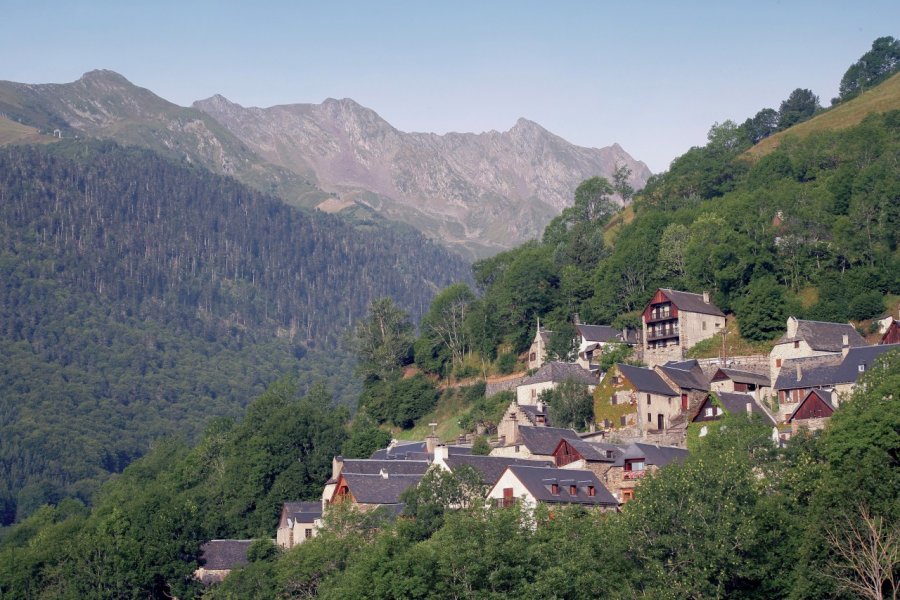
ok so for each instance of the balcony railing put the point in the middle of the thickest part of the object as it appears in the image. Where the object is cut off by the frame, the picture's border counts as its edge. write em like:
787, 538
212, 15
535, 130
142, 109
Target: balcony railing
634, 474
662, 335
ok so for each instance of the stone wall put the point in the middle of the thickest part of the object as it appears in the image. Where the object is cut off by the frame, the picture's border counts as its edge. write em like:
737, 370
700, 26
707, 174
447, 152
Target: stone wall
507, 385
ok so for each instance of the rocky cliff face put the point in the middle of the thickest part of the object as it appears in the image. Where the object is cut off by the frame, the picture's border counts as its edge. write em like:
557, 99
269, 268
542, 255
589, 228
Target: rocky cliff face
479, 192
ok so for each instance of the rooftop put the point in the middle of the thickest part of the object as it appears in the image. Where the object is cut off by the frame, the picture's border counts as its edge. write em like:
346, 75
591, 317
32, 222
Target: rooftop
823, 336
559, 372
646, 380
539, 483
690, 302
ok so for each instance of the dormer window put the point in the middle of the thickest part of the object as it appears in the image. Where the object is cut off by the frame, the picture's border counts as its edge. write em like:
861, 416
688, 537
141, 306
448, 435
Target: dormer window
554, 489
592, 491
573, 490
862, 368
796, 343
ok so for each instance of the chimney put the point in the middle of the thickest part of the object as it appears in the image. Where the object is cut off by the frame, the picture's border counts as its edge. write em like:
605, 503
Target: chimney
441, 453
791, 326
337, 465
706, 297
845, 344
540, 406
799, 373
432, 440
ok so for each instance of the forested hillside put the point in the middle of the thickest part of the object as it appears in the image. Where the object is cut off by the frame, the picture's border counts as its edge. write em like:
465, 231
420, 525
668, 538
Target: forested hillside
140, 298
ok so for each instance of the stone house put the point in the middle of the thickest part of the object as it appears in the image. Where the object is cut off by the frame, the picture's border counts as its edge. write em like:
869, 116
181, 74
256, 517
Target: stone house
534, 443
655, 402
797, 376
596, 457
397, 466
739, 381
219, 557
593, 340
517, 415
550, 376
634, 462
490, 467
369, 492
805, 339
729, 403
673, 321
533, 485
537, 352
299, 522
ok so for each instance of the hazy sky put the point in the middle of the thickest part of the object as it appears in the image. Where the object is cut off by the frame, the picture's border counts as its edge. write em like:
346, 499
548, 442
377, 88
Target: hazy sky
652, 76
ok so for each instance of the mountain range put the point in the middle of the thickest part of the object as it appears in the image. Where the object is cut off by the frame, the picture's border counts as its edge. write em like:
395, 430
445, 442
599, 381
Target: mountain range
476, 193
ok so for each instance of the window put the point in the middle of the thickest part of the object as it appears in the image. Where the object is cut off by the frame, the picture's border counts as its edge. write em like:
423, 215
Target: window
777, 363
796, 343
623, 421
591, 491
307, 533
648, 399
613, 400
573, 491
862, 368
709, 412
670, 401
649, 418
704, 325
532, 356
533, 393
554, 489
627, 495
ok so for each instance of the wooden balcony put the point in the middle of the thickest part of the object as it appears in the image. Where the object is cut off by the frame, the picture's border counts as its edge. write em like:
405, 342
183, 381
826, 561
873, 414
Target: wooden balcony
662, 335
632, 475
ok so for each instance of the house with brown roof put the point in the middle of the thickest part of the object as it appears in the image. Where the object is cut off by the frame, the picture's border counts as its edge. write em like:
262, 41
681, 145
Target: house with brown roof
805, 339
531, 486
219, 557
299, 522
673, 321
813, 411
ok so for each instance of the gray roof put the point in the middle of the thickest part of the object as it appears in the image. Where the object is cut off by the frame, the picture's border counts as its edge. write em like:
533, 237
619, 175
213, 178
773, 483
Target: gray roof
559, 372
595, 451
491, 467
376, 489
690, 380
224, 555
745, 376
412, 451
368, 466
304, 512
736, 403
543, 440
532, 412
646, 380
690, 302
653, 454
816, 371
539, 481
848, 371
604, 334
825, 337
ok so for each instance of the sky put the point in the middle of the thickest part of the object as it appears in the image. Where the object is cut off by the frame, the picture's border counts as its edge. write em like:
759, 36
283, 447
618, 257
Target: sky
651, 76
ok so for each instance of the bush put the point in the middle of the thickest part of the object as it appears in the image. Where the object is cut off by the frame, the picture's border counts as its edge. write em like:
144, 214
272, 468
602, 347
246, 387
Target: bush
506, 363
866, 305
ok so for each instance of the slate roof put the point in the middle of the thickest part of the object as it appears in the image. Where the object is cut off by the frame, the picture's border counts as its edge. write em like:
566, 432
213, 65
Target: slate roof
491, 467
374, 466
559, 372
303, 512
653, 454
594, 451
736, 403
543, 440
848, 371
745, 376
690, 302
600, 333
532, 412
375, 489
224, 555
816, 371
824, 337
539, 480
646, 380
690, 380
412, 451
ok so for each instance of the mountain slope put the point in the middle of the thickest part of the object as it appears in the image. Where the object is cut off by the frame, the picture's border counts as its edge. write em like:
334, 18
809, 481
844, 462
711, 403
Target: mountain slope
103, 104
141, 298
882, 98
479, 192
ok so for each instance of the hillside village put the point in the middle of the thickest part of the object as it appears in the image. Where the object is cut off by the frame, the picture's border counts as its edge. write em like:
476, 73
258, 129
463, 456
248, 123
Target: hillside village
812, 368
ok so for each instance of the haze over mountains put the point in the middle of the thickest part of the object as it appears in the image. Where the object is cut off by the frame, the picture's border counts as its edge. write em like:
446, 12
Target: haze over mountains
477, 193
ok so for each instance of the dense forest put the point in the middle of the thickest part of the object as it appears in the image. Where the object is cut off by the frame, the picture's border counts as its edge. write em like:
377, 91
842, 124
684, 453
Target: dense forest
140, 298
